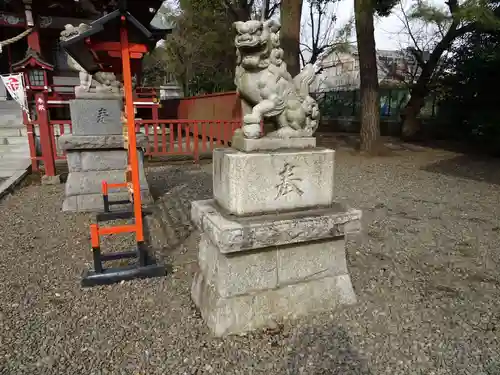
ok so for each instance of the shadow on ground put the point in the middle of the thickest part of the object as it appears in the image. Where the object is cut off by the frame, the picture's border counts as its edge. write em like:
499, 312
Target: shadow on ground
330, 352
472, 167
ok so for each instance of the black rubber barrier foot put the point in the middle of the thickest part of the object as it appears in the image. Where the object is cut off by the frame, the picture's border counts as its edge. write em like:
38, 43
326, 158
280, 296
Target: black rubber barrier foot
114, 275
114, 203
116, 215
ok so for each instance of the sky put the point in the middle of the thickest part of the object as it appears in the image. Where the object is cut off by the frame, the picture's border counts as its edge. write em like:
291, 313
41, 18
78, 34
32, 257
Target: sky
389, 31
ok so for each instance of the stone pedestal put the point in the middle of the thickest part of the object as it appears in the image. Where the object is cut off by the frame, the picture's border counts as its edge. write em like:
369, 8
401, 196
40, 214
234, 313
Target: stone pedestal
273, 240
95, 152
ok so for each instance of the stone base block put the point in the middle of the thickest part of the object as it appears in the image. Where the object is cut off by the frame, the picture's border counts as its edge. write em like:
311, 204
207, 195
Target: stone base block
95, 95
100, 160
233, 234
88, 169
94, 203
260, 269
258, 310
239, 142
90, 182
270, 268
96, 116
264, 182
69, 142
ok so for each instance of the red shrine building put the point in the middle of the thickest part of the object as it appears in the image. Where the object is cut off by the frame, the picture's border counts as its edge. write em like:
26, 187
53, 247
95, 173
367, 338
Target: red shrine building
30, 45
29, 34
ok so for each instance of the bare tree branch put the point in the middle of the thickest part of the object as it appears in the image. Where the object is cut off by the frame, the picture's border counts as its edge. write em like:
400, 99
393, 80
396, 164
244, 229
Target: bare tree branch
323, 36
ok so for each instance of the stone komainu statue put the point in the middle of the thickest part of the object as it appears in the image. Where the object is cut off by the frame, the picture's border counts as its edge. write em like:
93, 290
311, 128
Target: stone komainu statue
268, 92
106, 82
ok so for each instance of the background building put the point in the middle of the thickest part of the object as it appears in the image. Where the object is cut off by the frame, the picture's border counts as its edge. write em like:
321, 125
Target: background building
340, 70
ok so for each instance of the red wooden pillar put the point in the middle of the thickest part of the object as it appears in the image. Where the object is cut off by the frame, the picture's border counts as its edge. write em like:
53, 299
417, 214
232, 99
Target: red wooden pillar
45, 134
31, 141
34, 40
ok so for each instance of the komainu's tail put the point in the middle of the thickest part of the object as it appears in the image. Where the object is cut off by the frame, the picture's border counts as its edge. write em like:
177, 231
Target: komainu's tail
303, 80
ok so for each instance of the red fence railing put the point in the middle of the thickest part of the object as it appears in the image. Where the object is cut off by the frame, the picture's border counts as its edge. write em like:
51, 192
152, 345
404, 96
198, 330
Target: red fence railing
58, 128
185, 137
165, 137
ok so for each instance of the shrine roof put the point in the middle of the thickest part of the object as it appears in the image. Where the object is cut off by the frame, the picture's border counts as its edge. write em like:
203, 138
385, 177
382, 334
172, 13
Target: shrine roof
143, 10
107, 29
32, 58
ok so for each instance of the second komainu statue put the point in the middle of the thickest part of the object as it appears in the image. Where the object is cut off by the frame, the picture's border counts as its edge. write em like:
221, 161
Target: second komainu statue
268, 92
106, 82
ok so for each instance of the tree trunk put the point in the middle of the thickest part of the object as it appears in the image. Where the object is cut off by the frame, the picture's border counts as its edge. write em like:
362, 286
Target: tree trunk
291, 12
411, 123
368, 74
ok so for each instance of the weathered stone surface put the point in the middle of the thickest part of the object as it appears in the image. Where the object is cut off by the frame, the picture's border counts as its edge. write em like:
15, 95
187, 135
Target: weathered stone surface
83, 142
273, 240
257, 310
95, 116
74, 159
90, 182
241, 274
94, 203
104, 160
311, 260
260, 182
96, 95
239, 142
261, 80
79, 160
233, 234
268, 268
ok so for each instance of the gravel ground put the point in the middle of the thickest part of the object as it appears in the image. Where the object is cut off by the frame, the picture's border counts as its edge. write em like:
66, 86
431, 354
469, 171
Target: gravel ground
425, 272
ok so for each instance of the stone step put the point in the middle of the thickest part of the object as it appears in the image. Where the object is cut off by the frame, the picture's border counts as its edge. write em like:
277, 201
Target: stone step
9, 120
13, 131
14, 140
14, 156
15, 149
9, 166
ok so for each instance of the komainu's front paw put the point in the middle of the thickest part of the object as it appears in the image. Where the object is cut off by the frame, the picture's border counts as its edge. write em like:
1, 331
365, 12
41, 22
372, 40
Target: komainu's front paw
251, 119
251, 131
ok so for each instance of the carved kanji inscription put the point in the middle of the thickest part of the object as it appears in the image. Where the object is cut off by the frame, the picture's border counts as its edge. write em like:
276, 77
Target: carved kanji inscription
289, 182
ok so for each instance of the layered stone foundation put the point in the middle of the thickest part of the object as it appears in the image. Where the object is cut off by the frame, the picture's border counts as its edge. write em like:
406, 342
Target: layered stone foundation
273, 241
95, 153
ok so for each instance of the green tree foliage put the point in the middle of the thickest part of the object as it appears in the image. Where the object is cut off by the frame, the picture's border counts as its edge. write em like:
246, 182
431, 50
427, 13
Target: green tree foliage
453, 23
469, 104
199, 52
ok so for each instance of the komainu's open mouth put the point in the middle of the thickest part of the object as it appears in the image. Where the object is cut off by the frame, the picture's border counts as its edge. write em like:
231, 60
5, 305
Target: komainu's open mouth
249, 46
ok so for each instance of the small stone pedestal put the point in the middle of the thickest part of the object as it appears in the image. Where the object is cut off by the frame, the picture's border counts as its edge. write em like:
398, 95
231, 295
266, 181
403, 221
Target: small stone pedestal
273, 241
95, 152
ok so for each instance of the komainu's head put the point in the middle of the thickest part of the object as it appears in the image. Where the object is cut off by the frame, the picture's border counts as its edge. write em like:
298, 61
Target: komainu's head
255, 39
71, 31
